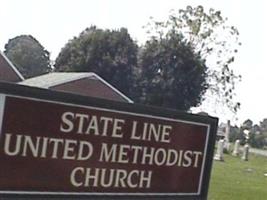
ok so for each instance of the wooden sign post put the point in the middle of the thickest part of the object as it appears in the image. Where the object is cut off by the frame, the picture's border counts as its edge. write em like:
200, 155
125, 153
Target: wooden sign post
61, 145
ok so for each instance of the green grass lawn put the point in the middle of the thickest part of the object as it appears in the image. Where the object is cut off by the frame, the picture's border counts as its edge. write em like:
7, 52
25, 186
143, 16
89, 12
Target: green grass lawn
237, 179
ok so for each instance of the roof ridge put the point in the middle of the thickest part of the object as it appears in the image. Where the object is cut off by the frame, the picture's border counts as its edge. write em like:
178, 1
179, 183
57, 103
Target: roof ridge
45, 82
74, 76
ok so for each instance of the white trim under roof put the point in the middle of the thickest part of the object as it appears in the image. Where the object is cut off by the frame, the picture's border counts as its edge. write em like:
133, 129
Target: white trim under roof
12, 66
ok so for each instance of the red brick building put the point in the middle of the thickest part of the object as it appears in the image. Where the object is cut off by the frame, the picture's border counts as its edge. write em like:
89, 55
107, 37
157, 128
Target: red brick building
8, 71
82, 83
87, 84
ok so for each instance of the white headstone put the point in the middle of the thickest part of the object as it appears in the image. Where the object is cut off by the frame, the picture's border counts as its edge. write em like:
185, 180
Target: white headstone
219, 153
236, 148
227, 131
245, 153
227, 135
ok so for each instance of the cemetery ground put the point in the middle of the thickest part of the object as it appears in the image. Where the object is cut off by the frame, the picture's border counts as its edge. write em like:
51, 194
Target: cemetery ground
235, 179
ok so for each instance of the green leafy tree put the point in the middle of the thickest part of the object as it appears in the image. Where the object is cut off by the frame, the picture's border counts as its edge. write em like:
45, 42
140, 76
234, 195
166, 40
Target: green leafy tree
257, 134
248, 124
28, 55
257, 140
212, 39
235, 134
263, 125
171, 74
112, 54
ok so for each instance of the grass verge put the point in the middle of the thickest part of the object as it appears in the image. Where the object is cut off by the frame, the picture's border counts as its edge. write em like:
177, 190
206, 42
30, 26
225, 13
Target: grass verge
235, 179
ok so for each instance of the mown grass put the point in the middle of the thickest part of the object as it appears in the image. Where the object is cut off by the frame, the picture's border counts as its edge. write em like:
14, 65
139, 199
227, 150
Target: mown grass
235, 179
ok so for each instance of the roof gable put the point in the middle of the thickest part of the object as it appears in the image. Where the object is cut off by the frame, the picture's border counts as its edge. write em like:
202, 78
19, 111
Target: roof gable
87, 83
8, 72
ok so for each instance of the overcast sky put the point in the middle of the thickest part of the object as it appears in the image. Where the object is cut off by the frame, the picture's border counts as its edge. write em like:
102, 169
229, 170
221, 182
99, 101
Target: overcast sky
54, 22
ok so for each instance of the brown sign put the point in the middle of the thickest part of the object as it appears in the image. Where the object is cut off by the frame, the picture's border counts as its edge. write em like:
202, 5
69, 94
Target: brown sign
50, 147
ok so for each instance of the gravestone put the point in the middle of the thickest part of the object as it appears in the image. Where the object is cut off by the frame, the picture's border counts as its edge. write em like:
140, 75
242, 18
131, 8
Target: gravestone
219, 153
236, 148
245, 153
226, 136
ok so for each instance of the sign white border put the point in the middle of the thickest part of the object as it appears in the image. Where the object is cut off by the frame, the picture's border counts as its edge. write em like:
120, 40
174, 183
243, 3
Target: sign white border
2, 103
2, 106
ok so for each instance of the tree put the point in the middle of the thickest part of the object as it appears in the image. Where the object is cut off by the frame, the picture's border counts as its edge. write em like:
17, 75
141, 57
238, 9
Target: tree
258, 140
247, 124
111, 54
263, 125
28, 56
213, 39
171, 74
235, 134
